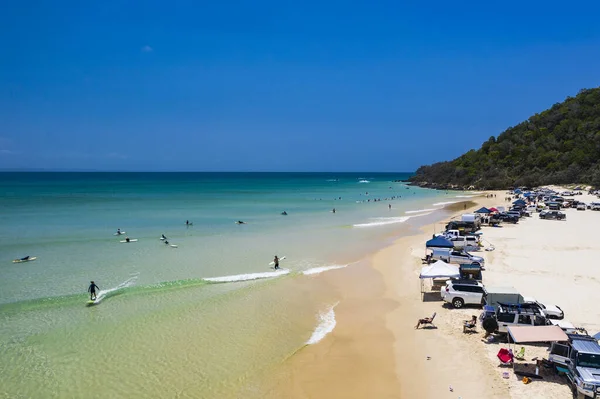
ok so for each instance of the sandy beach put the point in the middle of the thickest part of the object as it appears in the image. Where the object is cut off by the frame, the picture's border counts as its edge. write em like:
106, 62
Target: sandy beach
374, 350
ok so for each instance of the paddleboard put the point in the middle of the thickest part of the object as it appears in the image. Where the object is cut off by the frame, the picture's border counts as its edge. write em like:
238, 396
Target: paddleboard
280, 259
173, 246
25, 260
120, 234
131, 240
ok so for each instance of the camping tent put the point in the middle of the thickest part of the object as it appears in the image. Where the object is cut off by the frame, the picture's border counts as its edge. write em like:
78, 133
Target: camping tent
439, 269
483, 209
439, 242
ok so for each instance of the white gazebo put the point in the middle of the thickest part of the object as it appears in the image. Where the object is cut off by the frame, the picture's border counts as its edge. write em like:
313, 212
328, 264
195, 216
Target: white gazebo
438, 270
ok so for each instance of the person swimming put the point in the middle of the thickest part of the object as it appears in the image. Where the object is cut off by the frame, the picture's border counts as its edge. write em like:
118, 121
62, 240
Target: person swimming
240, 222
92, 290
127, 239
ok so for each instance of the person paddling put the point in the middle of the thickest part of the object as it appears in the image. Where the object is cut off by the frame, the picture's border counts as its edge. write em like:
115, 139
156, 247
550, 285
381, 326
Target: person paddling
92, 290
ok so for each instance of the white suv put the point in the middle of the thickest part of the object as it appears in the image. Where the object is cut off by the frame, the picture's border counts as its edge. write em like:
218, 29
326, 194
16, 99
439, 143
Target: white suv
463, 292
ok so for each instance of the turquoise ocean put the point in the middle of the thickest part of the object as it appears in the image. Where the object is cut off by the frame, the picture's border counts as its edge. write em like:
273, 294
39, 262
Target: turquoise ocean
208, 318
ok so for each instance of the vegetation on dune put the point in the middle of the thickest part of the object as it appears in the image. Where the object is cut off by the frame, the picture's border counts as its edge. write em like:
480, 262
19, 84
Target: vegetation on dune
558, 146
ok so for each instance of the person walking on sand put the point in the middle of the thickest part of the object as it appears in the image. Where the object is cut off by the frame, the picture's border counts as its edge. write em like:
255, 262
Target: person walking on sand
276, 261
92, 290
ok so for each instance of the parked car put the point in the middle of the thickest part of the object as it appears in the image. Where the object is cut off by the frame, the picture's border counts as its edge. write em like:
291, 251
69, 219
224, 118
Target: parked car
595, 206
551, 311
463, 292
581, 357
553, 215
581, 206
457, 257
506, 315
508, 218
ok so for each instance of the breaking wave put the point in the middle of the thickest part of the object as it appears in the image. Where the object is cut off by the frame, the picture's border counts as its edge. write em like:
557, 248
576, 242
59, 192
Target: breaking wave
422, 210
321, 269
383, 221
247, 277
326, 325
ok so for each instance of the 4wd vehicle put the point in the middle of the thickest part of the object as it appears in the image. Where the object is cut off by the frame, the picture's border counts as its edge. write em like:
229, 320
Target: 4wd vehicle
552, 215
464, 227
595, 206
581, 206
551, 311
581, 356
463, 292
507, 315
508, 218
457, 257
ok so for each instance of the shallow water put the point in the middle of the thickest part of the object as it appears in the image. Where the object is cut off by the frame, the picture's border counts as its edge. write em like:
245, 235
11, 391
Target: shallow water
205, 319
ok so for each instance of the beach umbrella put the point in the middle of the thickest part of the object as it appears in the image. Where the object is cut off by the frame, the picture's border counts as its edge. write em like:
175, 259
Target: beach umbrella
439, 242
483, 209
493, 209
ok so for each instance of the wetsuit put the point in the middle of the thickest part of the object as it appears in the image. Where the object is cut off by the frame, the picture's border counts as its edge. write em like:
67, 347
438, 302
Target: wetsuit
92, 291
277, 263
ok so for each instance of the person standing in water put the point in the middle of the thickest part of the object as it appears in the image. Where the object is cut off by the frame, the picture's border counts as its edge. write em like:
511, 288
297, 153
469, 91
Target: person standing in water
276, 261
92, 290
333, 210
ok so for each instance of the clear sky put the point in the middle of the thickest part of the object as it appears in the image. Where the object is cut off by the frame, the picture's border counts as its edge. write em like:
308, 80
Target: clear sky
280, 85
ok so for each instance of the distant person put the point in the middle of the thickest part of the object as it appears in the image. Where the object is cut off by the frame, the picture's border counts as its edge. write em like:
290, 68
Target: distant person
390, 207
276, 261
284, 213
127, 239
163, 237
187, 222
26, 258
119, 231
333, 210
92, 290
166, 242
240, 222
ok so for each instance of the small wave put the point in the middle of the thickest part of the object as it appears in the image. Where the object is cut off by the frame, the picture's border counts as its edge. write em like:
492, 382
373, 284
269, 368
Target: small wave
246, 277
383, 221
464, 196
364, 181
112, 291
422, 210
444, 203
332, 180
321, 269
325, 326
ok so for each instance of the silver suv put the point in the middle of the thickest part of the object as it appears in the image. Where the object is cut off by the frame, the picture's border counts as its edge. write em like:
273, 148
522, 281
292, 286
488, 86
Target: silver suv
463, 292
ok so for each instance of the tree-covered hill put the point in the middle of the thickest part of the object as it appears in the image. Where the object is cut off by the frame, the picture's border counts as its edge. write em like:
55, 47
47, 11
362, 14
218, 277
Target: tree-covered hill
558, 146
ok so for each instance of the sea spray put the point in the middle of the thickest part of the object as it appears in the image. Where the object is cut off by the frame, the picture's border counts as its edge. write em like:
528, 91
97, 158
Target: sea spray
326, 325
112, 291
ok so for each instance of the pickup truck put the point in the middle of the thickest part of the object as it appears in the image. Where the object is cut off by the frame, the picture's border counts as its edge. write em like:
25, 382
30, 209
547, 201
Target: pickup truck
581, 357
553, 215
456, 257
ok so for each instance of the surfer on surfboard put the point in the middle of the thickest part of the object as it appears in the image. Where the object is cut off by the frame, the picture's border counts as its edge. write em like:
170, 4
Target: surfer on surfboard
92, 290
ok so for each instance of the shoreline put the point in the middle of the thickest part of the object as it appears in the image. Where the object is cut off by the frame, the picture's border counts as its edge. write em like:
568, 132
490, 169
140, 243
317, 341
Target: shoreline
374, 350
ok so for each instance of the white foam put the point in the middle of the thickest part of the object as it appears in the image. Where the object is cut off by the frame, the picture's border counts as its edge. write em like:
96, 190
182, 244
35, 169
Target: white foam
464, 196
104, 293
321, 269
325, 326
246, 277
383, 221
364, 181
444, 203
422, 210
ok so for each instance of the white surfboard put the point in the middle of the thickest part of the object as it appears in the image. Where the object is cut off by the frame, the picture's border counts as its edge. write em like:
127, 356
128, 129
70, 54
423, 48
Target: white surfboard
25, 260
173, 246
280, 259
120, 234
131, 240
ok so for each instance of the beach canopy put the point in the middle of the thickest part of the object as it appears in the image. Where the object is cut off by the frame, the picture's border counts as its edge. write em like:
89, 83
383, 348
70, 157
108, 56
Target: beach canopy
439, 242
519, 202
483, 209
537, 334
439, 269
493, 209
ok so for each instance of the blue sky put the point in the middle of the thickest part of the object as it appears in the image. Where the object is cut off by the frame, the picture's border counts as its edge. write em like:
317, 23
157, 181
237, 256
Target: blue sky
280, 86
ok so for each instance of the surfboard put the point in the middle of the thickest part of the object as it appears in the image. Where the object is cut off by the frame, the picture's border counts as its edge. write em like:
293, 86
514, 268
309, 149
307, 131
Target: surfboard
131, 240
173, 246
25, 260
280, 259
120, 234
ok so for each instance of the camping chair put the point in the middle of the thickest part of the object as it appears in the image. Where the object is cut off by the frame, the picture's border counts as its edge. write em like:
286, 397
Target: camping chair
426, 320
520, 354
506, 356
